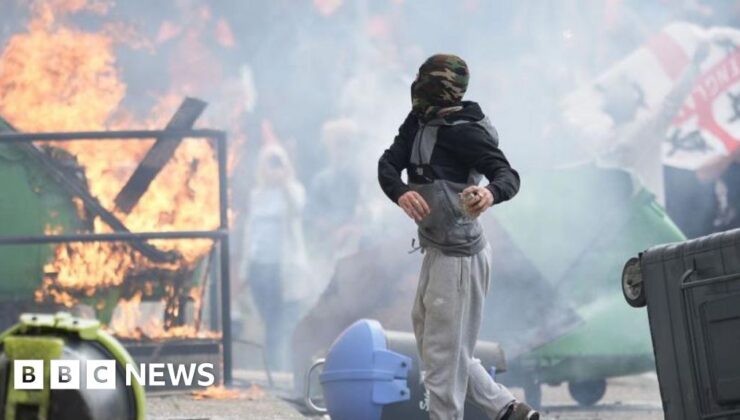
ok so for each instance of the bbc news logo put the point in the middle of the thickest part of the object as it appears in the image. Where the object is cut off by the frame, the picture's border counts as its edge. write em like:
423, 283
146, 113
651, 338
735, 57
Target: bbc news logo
101, 374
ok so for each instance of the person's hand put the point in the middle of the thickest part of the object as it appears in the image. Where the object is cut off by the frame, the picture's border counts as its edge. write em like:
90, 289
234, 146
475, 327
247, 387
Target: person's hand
414, 205
476, 200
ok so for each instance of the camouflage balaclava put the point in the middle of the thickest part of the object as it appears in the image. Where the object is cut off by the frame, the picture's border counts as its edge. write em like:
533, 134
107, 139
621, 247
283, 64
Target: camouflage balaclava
440, 83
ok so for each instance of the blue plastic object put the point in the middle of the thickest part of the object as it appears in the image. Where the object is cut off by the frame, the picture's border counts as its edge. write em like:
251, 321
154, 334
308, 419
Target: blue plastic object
361, 375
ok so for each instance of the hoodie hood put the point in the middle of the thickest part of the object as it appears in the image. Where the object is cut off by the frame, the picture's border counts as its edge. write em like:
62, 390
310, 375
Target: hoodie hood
469, 112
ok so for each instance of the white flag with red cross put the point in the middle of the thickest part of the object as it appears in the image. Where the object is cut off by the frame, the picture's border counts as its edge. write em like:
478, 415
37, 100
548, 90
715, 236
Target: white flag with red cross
707, 125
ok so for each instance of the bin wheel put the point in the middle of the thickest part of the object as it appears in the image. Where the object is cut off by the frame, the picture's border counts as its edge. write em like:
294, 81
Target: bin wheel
632, 285
587, 393
533, 394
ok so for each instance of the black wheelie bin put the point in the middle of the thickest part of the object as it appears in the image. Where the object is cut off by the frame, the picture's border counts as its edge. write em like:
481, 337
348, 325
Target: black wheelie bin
692, 293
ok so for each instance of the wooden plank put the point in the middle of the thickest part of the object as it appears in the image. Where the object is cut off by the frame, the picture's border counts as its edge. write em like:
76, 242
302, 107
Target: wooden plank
158, 156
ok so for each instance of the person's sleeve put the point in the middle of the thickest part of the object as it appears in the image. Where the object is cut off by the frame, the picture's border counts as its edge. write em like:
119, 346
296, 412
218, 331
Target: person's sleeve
394, 160
479, 149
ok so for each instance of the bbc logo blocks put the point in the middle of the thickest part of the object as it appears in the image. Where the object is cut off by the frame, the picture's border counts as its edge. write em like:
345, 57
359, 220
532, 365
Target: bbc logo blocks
64, 374
101, 374
64, 377
28, 374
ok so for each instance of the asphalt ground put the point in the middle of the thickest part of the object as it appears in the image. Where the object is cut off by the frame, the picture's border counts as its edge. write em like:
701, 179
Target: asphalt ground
627, 398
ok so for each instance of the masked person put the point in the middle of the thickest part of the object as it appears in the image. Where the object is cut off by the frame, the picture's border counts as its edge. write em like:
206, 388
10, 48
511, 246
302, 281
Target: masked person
446, 145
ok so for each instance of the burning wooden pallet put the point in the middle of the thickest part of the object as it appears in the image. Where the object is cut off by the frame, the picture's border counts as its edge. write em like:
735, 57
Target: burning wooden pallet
141, 271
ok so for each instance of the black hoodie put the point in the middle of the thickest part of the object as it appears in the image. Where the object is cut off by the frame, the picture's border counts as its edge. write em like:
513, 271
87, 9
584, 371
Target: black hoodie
459, 149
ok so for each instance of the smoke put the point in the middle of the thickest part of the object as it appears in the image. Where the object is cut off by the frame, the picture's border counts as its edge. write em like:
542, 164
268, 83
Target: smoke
562, 242
297, 64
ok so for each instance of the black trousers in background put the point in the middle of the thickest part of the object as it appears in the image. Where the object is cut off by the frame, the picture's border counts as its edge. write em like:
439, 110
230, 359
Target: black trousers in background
277, 315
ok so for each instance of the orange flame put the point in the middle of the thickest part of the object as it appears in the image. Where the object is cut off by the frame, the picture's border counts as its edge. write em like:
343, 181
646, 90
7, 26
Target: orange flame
54, 77
253, 393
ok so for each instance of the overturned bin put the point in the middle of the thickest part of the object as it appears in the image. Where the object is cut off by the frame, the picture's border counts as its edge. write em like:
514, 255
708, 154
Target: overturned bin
373, 374
692, 293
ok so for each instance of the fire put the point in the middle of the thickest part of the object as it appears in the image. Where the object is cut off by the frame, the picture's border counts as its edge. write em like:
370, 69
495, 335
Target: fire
253, 393
54, 77
130, 321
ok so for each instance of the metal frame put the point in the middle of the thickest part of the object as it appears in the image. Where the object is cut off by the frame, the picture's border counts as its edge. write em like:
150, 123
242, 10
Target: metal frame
221, 234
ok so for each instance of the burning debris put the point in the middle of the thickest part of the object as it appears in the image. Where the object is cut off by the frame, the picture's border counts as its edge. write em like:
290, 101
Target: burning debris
115, 278
253, 393
56, 77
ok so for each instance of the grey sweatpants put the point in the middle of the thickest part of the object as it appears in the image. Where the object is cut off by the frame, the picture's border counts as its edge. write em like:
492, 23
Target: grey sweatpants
446, 318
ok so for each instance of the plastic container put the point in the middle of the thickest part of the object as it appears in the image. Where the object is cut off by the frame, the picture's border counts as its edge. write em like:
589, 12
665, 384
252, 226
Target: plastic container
372, 374
692, 293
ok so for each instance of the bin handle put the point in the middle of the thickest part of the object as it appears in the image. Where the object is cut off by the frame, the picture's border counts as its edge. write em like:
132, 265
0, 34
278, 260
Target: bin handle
686, 276
307, 397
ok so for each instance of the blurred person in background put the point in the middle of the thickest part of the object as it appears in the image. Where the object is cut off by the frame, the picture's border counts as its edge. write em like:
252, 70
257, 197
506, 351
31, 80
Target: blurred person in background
636, 143
700, 201
277, 271
706, 200
333, 197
